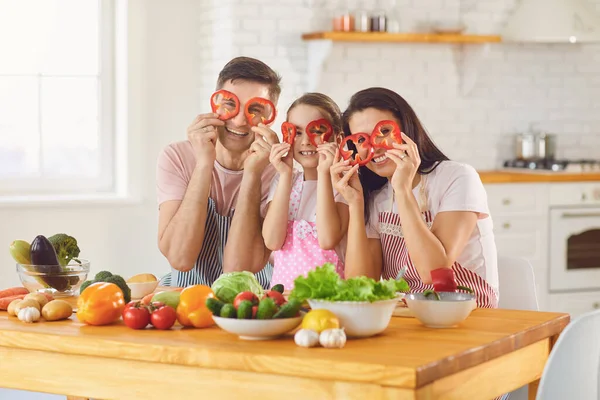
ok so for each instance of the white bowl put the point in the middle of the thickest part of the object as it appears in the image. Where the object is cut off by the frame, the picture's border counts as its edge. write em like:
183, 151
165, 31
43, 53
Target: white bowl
448, 312
141, 289
258, 329
360, 318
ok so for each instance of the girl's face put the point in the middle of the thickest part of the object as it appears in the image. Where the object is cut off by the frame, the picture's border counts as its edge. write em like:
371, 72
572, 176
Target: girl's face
364, 122
304, 151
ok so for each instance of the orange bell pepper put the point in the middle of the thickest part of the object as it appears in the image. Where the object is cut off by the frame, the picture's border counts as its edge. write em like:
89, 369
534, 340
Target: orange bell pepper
192, 310
100, 303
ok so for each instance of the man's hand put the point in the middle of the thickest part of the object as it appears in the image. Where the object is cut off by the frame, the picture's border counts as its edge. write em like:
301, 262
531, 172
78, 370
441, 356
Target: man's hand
259, 152
202, 133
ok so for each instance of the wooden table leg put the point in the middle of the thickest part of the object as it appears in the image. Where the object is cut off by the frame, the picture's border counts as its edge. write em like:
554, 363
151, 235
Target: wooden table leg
533, 388
76, 398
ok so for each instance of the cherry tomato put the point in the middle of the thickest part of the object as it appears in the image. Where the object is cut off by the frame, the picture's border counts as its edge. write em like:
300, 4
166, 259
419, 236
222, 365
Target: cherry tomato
163, 317
251, 297
276, 296
136, 317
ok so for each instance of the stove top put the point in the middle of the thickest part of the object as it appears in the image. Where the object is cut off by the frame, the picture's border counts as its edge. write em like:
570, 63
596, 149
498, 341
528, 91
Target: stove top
544, 165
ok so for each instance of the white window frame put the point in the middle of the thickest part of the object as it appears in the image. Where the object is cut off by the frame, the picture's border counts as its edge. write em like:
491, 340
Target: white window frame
112, 91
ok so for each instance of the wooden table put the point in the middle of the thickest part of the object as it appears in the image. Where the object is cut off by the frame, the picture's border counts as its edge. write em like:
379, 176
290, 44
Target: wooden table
491, 353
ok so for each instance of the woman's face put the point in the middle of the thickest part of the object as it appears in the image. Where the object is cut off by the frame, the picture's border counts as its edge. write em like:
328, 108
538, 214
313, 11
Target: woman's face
304, 151
364, 122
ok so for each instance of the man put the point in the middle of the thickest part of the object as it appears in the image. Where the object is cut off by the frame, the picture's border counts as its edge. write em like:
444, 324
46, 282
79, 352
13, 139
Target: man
223, 167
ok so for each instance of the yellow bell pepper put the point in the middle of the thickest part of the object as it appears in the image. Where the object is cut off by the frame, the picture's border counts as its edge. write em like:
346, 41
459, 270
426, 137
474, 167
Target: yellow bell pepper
192, 310
100, 303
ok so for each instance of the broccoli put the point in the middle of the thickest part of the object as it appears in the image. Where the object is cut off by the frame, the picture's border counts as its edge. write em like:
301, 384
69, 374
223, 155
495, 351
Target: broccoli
66, 248
120, 282
84, 285
102, 275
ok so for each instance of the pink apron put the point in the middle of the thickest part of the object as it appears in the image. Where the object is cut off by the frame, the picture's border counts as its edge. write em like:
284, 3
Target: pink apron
301, 251
395, 256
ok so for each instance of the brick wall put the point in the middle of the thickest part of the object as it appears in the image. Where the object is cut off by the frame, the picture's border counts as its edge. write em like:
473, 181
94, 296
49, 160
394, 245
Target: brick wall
555, 86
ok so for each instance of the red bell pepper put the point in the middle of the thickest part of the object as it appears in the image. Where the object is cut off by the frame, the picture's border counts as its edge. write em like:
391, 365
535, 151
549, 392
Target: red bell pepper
319, 129
443, 280
260, 110
288, 130
385, 134
225, 104
354, 155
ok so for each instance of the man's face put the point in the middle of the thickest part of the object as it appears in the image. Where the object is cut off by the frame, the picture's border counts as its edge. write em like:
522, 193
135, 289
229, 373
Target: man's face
236, 136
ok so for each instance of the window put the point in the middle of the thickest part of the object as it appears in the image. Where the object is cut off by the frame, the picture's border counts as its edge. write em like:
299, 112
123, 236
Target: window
57, 97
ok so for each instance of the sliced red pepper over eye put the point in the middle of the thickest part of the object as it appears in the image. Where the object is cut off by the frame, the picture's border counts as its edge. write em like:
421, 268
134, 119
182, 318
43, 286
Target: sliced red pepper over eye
288, 130
319, 131
443, 280
361, 142
225, 104
385, 134
260, 110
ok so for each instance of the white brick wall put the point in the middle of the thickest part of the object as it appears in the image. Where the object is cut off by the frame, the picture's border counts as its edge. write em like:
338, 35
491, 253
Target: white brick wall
555, 86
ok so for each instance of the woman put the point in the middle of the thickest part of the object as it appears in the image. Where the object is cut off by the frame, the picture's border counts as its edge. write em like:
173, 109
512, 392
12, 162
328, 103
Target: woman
422, 211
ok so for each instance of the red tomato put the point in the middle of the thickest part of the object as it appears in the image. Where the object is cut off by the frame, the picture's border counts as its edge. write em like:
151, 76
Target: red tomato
163, 317
251, 297
276, 296
136, 317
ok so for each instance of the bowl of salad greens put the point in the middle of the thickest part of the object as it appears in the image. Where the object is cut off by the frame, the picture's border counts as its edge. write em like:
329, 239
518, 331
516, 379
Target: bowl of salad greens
363, 305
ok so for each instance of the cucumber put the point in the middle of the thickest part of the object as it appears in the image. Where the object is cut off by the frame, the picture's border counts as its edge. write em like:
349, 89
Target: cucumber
278, 288
214, 305
228, 311
289, 309
266, 308
244, 310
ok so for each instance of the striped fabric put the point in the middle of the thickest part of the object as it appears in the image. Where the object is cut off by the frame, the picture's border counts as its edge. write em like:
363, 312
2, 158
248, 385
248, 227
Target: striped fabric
209, 265
395, 256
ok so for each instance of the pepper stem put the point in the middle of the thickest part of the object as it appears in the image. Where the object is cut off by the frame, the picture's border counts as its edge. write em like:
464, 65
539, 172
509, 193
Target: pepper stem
466, 289
426, 293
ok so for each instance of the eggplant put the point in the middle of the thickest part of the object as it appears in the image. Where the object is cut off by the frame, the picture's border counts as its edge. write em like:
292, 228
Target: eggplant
44, 259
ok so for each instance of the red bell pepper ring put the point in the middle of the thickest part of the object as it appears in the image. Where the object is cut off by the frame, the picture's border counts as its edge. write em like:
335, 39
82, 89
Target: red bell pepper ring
260, 110
319, 129
354, 156
443, 280
225, 104
288, 130
385, 134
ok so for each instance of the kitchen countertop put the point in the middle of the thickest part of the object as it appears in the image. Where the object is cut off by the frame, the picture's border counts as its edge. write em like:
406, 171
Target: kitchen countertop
524, 176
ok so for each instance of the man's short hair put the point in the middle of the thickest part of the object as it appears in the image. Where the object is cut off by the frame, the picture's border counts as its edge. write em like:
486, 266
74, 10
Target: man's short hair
251, 70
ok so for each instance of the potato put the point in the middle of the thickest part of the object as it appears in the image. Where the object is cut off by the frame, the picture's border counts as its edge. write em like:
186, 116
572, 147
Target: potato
56, 310
40, 298
26, 303
11, 307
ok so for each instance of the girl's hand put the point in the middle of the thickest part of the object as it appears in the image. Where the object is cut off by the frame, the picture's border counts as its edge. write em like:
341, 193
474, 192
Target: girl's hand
406, 157
345, 180
281, 161
327, 153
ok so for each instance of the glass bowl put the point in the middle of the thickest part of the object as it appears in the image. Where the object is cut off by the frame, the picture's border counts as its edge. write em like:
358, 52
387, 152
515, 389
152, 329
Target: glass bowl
55, 280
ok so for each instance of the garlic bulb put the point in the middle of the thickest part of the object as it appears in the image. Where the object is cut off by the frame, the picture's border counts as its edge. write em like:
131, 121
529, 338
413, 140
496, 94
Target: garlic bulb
29, 314
333, 338
306, 338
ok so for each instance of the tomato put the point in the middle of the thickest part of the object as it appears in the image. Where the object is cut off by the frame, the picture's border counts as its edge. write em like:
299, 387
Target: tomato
133, 303
251, 297
163, 317
192, 310
136, 317
276, 296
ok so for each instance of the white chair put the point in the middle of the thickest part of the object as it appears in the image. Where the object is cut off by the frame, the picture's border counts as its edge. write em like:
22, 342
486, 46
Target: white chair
517, 292
572, 369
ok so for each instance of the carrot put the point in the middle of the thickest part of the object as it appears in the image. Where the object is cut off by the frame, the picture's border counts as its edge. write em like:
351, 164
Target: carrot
13, 292
5, 301
147, 299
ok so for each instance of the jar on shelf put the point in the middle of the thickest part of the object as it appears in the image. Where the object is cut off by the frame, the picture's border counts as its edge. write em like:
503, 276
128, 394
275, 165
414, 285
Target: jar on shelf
362, 21
379, 22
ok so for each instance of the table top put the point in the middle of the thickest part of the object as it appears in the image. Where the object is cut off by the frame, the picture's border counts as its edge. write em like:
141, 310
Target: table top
406, 355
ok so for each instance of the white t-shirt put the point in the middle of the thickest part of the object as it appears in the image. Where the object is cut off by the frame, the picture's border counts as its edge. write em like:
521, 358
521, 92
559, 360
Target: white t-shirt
307, 209
452, 186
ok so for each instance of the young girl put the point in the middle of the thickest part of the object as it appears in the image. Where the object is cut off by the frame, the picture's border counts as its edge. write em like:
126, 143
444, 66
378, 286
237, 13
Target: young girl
423, 211
306, 221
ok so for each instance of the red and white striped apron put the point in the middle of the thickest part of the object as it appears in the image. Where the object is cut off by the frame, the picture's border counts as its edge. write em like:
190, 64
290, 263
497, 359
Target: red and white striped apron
395, 256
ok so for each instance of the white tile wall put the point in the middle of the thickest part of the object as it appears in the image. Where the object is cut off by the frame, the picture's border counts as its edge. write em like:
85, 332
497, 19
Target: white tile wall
555, 86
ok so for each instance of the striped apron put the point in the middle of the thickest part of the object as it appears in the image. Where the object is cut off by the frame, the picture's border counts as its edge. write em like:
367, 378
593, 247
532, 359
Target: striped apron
209, 264
395, 257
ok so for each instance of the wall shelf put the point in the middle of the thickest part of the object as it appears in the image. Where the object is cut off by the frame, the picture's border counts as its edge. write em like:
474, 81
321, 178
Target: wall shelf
385, 37
472, 50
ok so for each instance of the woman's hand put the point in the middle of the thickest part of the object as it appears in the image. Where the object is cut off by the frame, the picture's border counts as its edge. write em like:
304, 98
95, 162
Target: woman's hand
326, 157
345, 180
281, 161
406, 157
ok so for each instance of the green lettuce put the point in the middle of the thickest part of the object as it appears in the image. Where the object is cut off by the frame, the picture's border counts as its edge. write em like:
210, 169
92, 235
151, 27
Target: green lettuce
229, 284
323, 283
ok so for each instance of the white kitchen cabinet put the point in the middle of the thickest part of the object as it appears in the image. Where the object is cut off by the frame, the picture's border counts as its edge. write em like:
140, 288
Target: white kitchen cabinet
575, 303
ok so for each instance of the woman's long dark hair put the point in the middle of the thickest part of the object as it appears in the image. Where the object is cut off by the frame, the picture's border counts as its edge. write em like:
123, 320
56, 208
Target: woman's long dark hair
388, 100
